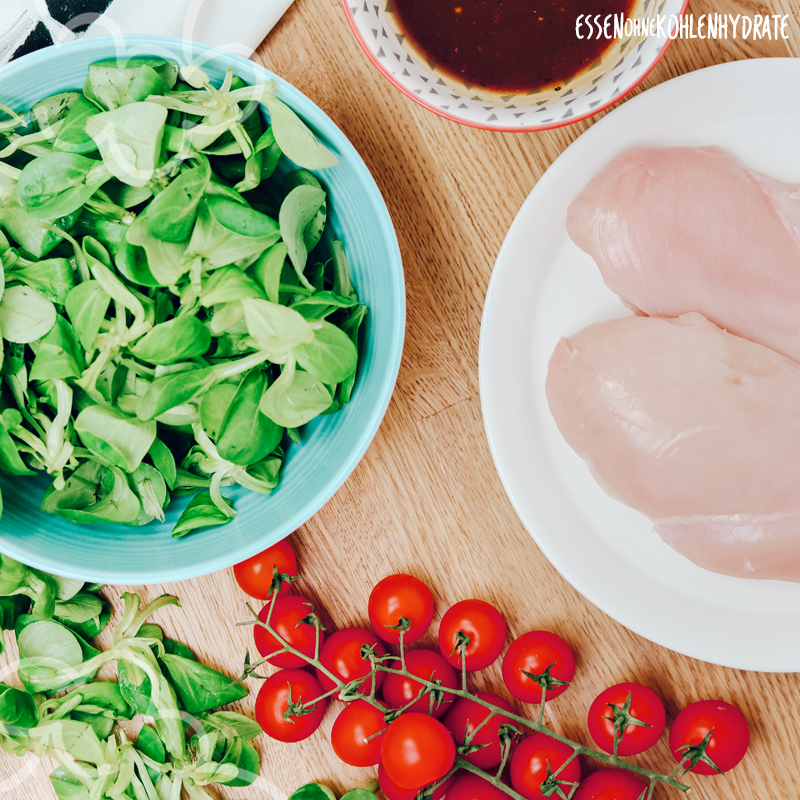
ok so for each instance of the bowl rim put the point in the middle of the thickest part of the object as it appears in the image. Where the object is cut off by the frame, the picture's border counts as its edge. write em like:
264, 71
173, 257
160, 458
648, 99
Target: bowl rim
119, 573
501, 128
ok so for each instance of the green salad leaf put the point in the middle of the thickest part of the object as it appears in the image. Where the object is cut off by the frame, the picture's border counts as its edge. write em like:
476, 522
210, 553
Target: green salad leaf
157, 676
173, 302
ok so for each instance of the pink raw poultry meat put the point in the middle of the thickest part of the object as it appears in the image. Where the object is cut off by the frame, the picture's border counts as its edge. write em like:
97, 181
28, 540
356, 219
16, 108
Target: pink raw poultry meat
691, 229
694, 427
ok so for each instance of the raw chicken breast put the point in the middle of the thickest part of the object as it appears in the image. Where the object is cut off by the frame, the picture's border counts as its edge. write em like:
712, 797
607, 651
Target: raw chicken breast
694, 427
691, 229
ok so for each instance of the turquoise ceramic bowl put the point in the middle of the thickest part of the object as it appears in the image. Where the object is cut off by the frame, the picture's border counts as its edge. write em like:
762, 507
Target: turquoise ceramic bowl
332, 446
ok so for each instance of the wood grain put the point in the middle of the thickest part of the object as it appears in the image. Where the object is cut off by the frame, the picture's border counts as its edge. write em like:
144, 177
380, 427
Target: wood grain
426, 499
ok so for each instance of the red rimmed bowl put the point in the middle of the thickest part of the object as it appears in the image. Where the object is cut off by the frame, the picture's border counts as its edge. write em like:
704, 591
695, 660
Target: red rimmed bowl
623, 66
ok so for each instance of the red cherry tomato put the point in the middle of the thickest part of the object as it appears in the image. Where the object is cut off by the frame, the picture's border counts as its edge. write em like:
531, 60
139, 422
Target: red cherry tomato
398, 690
273, 702
473, 787
395, 792
483, 625
289, 609
341, 654
353, 727
611, 784
466, 715
400, 596
254, 575
730, 736
530, 760
417, 750
645, 706
538, 653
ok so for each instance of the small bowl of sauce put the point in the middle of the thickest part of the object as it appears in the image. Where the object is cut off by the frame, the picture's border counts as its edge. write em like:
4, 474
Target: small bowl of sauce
514, 64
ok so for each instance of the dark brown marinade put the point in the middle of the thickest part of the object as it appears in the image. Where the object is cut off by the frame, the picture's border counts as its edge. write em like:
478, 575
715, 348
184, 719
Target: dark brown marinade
507, 46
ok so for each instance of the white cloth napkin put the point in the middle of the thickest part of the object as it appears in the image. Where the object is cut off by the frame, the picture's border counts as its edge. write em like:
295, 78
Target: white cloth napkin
235, 25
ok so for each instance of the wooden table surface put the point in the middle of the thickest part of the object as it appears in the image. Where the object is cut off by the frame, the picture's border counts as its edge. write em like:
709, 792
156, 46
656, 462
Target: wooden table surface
426, 499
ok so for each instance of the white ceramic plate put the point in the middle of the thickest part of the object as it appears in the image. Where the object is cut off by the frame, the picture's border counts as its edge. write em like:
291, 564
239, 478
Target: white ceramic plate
543, 287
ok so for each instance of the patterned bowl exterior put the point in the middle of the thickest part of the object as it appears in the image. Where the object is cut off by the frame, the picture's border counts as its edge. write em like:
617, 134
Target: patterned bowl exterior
332, 446
622, 68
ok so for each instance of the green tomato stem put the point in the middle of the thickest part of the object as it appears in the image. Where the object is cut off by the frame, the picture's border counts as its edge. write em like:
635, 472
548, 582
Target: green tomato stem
314, 662
402, 649
434, 786
462, 763
399, 711
373, 672
470, 736
540, 718
569, 760
318, 636
504, 759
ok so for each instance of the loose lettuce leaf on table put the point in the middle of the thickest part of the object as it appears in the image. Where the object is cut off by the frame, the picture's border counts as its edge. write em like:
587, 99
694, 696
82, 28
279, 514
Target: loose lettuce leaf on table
17, 707
242, 755
80, 608
47, 652
201, 688
67, 786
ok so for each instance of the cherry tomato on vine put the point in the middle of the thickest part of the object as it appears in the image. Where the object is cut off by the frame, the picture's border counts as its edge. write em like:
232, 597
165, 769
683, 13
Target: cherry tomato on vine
611, 784
295, 686
538, 653
254, 575
353, 736
287, 613
400, 596
727, 744
341, 654
417, 750
529, 765
473, 787
398, 690
644, 705
466, 715
483, 625
395, 792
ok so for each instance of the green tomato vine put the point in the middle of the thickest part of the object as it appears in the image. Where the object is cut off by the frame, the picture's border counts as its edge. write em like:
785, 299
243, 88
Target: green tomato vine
349, 691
